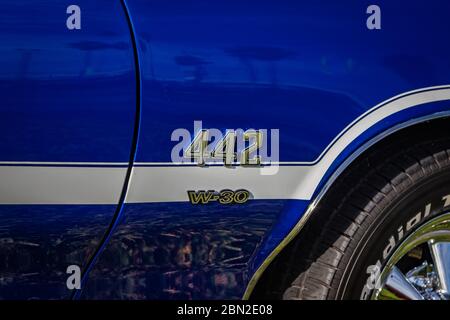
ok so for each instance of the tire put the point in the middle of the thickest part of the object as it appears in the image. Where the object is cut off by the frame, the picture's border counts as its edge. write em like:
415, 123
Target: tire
365, 217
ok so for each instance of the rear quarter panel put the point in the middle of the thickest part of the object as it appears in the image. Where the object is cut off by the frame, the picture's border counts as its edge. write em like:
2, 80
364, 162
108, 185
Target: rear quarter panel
308, 68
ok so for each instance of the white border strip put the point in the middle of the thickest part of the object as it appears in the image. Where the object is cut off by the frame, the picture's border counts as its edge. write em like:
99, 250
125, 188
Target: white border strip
59, 183
166, 184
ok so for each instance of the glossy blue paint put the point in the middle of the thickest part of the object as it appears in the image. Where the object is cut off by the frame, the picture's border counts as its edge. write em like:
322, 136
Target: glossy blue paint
308, 68
290, 214
39, 242
181, 251
240, 65
66, 96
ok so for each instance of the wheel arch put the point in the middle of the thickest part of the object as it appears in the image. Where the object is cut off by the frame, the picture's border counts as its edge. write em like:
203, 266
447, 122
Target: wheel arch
434, 123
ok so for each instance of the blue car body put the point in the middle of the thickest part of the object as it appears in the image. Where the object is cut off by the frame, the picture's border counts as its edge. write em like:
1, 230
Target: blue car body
86, 119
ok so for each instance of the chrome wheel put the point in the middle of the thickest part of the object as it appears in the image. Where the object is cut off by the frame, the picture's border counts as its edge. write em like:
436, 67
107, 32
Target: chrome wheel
420, 268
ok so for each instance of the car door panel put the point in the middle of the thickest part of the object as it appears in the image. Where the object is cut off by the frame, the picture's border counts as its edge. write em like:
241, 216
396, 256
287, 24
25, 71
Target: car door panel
67, 118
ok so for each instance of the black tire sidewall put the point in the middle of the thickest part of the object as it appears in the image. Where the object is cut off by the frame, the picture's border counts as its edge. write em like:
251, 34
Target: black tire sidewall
407, 211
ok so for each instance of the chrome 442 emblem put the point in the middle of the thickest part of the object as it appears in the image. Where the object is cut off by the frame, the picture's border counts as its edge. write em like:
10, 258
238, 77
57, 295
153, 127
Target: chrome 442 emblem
230, 147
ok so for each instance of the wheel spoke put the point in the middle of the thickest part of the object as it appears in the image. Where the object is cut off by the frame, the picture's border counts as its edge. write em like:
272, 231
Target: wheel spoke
440, 252
428, 281
398, 287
